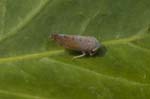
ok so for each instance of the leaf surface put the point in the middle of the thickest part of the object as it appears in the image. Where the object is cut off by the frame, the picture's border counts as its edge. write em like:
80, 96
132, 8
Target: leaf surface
34, 67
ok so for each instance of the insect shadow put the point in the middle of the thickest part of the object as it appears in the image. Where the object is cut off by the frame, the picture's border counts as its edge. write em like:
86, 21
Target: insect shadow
100, 52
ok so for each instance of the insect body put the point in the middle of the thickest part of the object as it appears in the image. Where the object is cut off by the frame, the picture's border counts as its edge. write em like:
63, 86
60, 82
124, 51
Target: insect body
85, 44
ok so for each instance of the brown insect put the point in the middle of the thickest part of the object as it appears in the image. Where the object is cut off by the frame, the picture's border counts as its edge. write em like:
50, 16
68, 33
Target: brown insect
85, 44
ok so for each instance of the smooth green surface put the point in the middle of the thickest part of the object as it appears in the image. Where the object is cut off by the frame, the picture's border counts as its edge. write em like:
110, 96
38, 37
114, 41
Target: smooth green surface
34, 67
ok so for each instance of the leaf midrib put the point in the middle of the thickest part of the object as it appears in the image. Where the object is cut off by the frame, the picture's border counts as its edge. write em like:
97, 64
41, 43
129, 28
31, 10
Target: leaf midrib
128, 40
29, 56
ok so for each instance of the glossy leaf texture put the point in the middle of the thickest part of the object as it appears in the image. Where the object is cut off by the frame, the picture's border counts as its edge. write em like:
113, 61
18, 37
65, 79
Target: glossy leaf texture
34, 67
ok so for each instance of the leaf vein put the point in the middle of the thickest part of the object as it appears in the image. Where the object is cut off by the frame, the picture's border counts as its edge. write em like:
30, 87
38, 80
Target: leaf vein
21, 94
29, 56
138, 47
27, 20
140, 35
123, 80
87, 22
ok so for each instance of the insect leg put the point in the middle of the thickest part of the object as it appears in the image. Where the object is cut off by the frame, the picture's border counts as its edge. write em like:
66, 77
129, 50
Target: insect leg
91, 53
79, 56
95, 49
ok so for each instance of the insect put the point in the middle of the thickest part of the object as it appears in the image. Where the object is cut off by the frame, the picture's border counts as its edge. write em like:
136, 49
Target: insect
84, 44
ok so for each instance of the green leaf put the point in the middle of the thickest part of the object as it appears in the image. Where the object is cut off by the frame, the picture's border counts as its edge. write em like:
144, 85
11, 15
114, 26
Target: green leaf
34, 67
